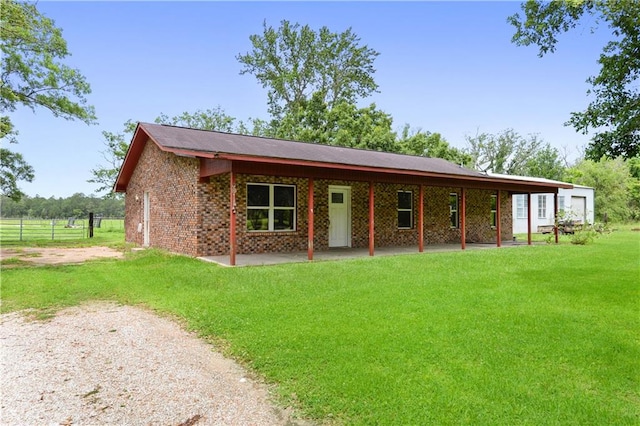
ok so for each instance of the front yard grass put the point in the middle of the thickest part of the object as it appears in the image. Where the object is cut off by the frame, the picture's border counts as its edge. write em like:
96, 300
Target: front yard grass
525, 335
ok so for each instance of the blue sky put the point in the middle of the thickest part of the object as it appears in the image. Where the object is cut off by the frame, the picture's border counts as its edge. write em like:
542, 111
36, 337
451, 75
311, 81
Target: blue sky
446, 67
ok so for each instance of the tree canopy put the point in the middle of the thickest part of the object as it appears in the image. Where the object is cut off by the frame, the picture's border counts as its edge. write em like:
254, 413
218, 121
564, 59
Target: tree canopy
614, 113
77, 205
510, 153
294, 62
613, 184
33, 75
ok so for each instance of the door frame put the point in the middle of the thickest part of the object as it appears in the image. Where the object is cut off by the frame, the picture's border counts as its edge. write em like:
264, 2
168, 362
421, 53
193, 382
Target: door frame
146, 215
347, 191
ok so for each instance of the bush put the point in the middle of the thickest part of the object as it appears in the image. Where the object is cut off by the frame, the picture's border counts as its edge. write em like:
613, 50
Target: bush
587, 233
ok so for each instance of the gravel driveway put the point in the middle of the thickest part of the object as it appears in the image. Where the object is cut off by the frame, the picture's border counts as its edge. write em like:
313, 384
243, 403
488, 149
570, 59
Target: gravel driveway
108, 364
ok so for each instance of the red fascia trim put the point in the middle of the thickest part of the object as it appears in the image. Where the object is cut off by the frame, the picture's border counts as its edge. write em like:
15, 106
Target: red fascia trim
131, 159
319, 164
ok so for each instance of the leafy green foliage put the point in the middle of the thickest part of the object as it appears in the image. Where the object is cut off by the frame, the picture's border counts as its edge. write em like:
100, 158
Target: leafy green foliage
614, 114
295, 62
510, 153
365, 128
634, 187
13, 168
32, 75
77, 205
611, 180
545, 163
427, 144
583, 236
343, 125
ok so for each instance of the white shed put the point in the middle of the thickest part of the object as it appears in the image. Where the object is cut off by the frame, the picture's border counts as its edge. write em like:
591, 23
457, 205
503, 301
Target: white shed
576, 204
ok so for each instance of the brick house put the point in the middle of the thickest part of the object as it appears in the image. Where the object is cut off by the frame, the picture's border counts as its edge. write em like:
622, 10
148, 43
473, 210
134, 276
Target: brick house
207, 193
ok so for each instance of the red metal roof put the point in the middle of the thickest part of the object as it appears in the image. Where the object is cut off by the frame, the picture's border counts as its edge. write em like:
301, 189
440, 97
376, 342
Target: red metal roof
234, 147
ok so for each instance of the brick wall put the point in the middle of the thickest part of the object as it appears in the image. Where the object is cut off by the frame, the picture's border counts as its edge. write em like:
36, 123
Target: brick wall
193, 218
171, 182
213, 235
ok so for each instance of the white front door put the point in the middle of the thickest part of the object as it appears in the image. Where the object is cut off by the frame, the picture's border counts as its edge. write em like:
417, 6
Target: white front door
145, 221
339, 216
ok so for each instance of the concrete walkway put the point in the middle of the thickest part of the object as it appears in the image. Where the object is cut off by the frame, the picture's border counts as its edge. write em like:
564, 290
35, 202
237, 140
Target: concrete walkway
345, 253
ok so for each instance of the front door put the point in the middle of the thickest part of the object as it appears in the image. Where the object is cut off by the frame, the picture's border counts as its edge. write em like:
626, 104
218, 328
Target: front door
339, 216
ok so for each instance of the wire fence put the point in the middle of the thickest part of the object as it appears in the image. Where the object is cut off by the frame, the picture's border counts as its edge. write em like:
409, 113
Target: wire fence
29, 229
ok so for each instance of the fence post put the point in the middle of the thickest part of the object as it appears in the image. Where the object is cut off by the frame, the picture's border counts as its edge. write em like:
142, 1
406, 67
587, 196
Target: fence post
91, 225
53, 226
21, 229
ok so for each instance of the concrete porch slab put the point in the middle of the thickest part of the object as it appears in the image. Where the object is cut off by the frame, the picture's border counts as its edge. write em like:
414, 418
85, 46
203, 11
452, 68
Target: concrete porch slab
345, 253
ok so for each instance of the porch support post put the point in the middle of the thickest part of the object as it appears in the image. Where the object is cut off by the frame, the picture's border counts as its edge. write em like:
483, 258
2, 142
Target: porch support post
232, 218
498, 228
371, 220
463, 218
310, 221
555, 216
528, 218
421, 220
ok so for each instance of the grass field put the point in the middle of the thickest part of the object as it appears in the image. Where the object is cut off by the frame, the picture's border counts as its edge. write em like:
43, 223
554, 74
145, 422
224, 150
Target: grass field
534, 335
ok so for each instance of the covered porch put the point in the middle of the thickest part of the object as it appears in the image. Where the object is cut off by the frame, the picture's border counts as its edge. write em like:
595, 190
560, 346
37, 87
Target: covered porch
460, 184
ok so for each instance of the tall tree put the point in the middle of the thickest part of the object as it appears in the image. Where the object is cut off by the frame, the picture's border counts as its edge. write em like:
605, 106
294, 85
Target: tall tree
314, 80
294, 62
32, 75
614, 114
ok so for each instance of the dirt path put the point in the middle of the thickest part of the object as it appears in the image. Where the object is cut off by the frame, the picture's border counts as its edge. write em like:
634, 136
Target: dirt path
107, 364
59, 255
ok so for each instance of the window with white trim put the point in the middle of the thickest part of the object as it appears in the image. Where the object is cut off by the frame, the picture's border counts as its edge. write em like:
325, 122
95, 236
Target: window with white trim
542, 206
453, 209
271, 207
405, 209
494, 211
522, 206
561, 204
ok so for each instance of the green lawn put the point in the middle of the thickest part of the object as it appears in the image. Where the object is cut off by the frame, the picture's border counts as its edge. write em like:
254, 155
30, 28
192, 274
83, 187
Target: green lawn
533, 335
